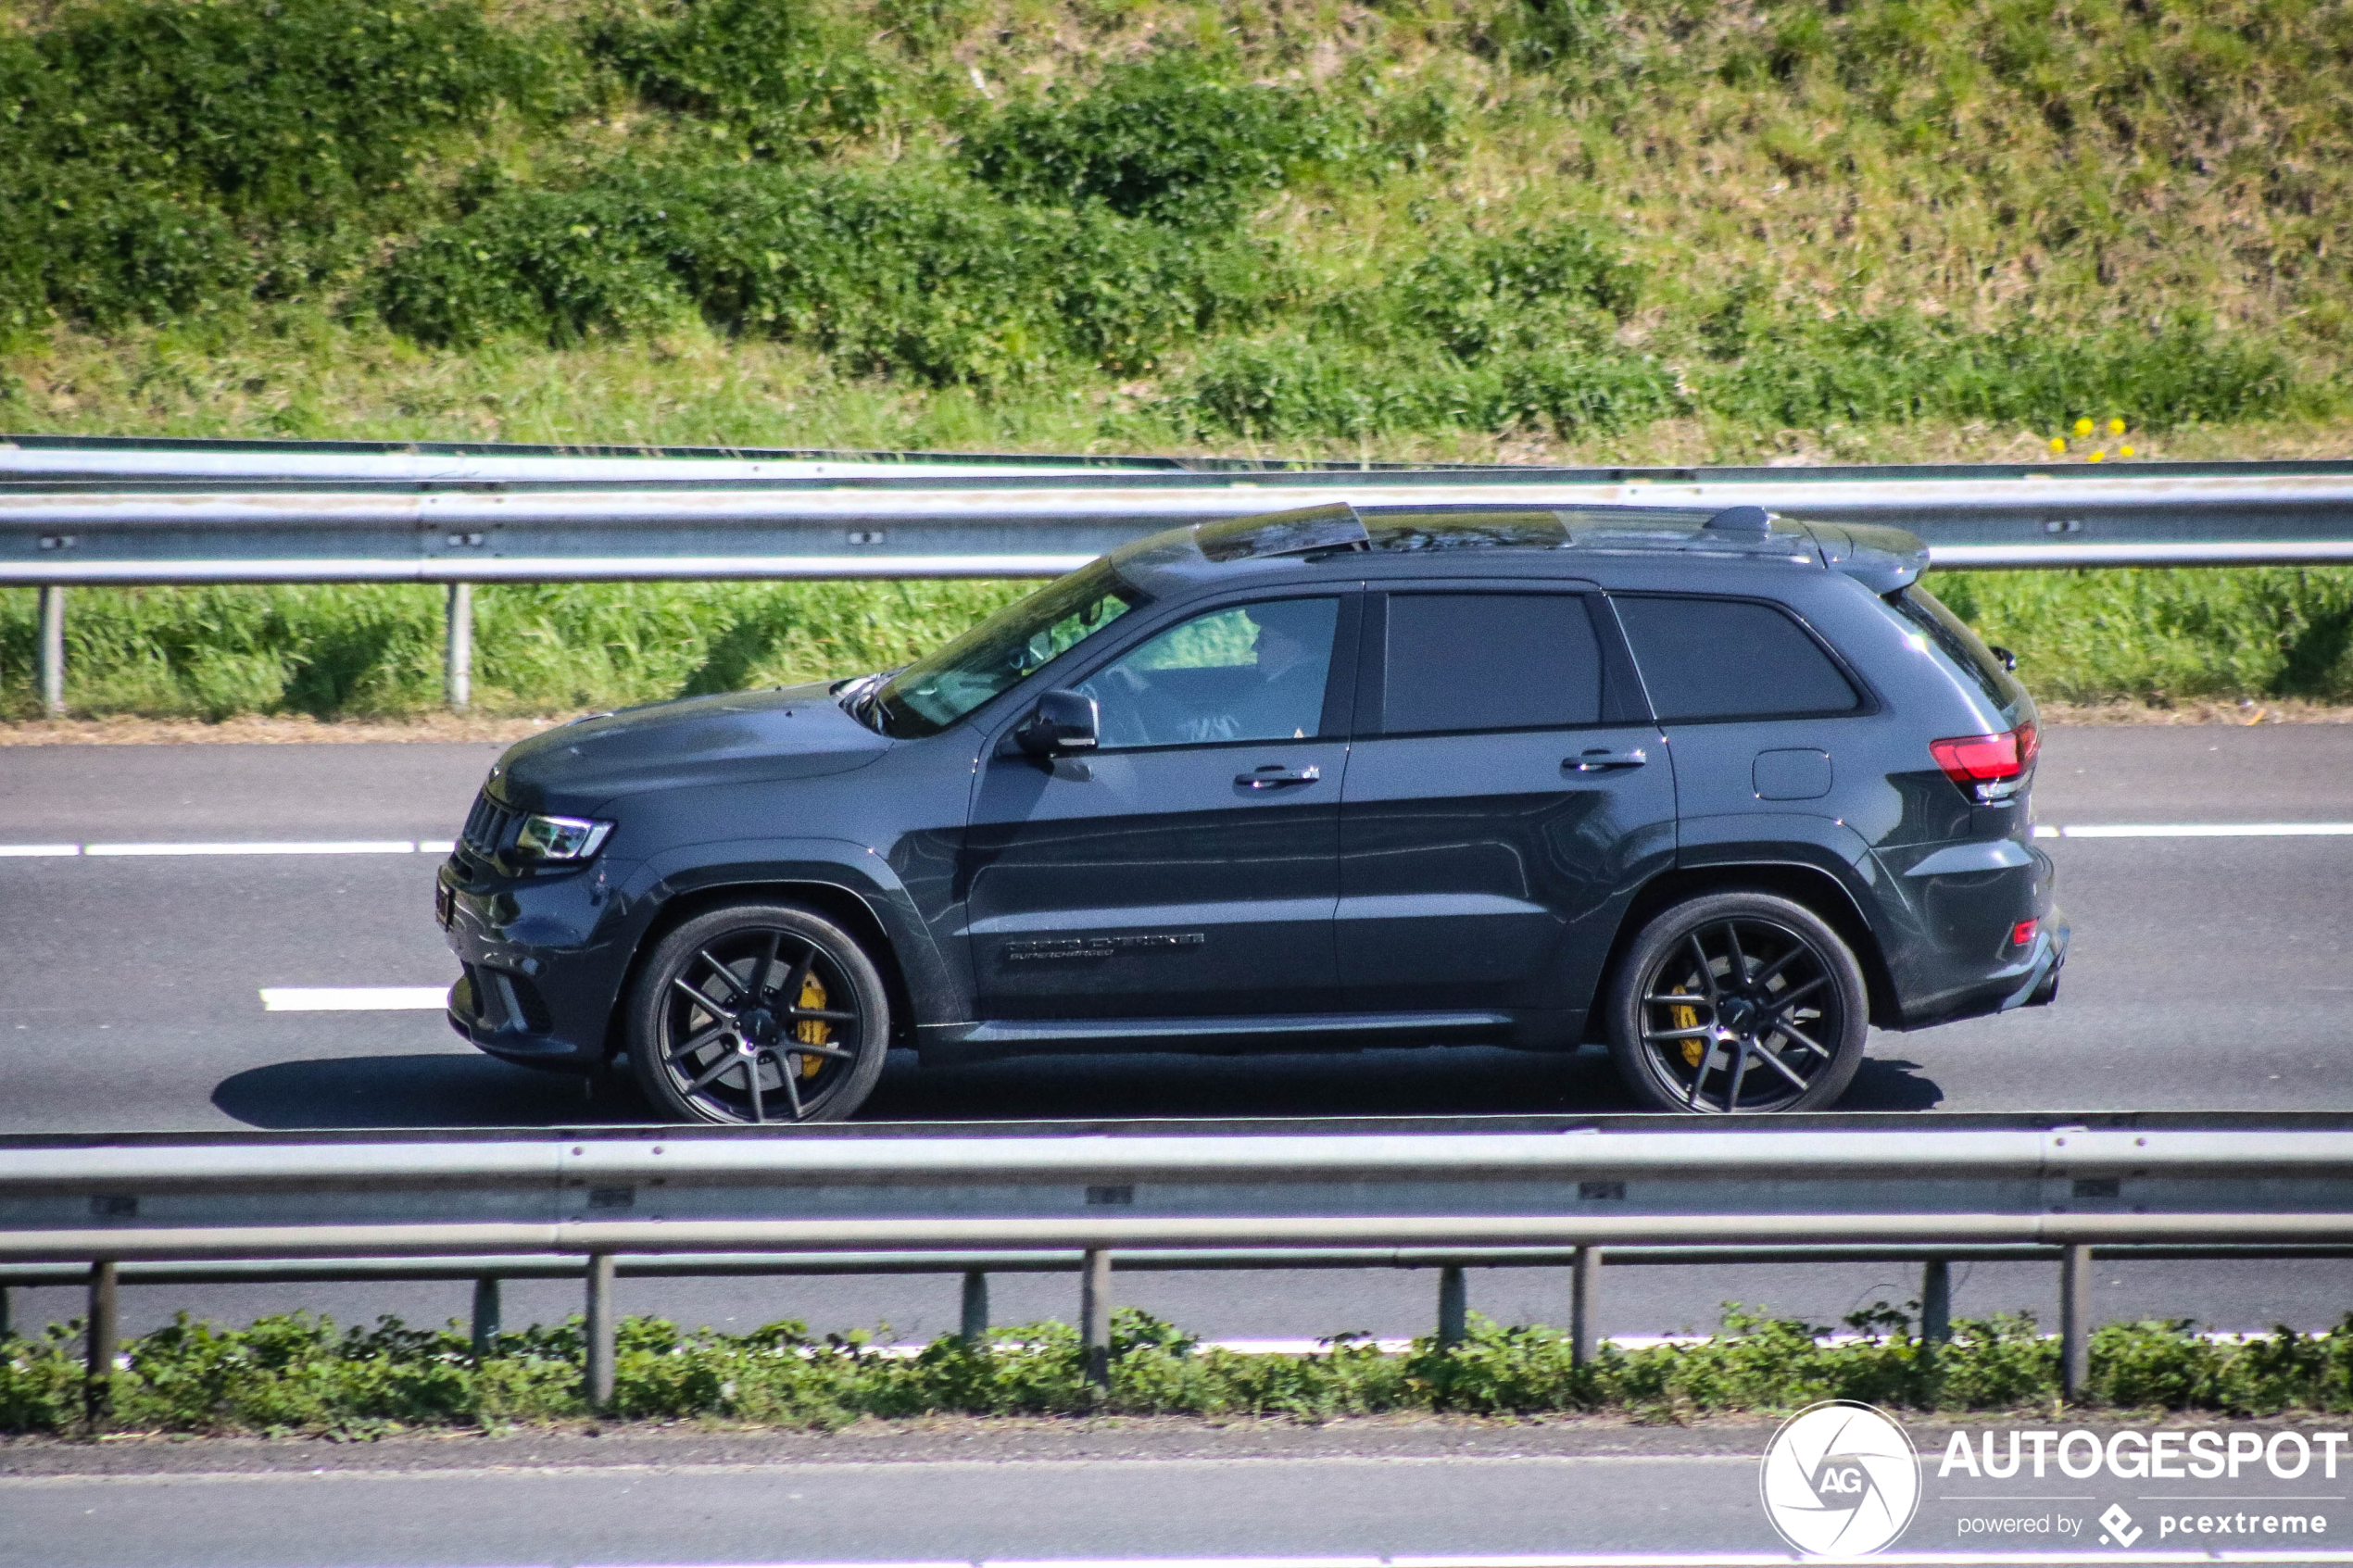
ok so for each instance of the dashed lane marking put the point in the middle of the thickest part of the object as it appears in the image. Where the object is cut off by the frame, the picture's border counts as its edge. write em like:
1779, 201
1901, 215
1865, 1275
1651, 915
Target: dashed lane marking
2196, 830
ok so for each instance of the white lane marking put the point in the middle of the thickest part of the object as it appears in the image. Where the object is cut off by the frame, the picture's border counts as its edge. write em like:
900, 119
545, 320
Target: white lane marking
1620, 1560
253, 847
29, 850
2202, 829
353, 999
436, 846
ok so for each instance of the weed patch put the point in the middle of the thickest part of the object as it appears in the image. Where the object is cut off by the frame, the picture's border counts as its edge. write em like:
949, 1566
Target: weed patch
302, 1374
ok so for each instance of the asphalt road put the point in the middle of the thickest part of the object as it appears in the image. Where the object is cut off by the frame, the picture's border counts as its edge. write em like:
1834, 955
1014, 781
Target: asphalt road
1252, 1499
2208, 972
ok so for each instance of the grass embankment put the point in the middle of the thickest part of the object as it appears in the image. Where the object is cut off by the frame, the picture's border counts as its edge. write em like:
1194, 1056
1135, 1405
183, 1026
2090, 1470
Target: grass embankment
1647, 231
2159, 637
301, 1374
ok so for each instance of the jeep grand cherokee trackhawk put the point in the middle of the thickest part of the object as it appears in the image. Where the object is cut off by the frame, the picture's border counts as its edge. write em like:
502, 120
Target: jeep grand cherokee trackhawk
1721, 791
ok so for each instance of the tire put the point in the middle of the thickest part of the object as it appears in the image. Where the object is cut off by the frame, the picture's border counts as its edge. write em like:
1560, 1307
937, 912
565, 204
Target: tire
1778, 1016
758, 1014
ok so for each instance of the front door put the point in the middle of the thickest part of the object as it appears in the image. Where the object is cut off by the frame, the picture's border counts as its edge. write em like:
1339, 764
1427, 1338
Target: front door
1507, 795
1189, 866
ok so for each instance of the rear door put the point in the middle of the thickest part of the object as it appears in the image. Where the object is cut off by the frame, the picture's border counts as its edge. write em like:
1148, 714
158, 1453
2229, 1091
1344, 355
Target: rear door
1757, 708
1505, 794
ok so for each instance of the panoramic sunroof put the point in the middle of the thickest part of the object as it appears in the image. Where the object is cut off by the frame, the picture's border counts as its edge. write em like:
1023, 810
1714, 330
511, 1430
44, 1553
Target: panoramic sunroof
1332, 527
1599, 528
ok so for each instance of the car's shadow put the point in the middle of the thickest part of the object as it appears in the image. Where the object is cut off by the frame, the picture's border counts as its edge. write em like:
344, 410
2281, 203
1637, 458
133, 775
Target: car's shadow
436, 1089
1889, 1084
446, 1090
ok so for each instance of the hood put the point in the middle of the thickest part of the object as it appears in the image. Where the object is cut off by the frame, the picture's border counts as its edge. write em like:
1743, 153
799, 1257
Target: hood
733, 737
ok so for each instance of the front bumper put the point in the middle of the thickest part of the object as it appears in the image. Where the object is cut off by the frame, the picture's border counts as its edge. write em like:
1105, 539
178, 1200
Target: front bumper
542, 967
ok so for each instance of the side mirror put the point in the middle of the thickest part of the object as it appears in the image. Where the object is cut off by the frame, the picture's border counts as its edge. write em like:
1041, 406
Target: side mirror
1064, 722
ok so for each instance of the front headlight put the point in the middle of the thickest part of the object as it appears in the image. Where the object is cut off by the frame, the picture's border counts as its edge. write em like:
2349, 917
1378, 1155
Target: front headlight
558, 838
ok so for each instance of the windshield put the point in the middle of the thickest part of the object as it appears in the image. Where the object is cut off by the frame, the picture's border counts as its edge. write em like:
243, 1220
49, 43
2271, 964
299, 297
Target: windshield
1011, 646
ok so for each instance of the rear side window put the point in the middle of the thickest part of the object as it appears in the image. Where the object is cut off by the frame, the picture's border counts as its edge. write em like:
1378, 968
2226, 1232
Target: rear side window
1730, 659
1927, 614
1489, 662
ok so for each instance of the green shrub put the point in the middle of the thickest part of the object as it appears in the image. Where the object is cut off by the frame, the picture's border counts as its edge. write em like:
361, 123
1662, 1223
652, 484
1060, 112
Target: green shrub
889, 272
1900, 370
555, 266
1549, 285
285, 110
781, 74
158, 158
1289, 387
1177, 138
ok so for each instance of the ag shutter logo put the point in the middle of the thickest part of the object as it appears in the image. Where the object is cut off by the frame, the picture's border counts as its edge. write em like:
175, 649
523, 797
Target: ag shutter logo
1840, 1479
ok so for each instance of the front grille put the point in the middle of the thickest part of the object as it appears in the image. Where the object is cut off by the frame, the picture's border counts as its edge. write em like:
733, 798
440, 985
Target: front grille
487, 826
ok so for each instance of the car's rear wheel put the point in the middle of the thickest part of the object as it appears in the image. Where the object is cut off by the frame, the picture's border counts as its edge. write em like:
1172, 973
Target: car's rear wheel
1738, 1001
758, 1014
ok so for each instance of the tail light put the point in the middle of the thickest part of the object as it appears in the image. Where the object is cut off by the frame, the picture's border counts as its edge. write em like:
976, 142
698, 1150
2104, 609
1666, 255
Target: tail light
1991, 768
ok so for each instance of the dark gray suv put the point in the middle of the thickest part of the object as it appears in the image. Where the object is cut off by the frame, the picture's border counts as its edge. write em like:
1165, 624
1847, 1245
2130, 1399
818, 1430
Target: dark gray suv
1718, 791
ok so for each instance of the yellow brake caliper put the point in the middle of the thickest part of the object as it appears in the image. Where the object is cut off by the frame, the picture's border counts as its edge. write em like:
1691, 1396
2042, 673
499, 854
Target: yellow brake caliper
816, 1031
1694, 1048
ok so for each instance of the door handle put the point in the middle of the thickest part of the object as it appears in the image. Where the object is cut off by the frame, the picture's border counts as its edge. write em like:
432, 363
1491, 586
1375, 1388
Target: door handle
1274, 776
1599, 760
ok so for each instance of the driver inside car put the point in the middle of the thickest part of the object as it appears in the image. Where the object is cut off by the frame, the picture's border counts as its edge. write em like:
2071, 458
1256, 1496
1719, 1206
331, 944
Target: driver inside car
1254, 672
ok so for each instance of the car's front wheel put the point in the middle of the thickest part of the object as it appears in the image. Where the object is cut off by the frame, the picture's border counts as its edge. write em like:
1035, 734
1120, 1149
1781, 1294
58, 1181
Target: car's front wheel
1738, 1001
758, 1014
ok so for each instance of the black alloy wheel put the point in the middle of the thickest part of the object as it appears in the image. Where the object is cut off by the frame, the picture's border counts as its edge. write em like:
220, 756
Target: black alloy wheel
1738, 1002
758, 1014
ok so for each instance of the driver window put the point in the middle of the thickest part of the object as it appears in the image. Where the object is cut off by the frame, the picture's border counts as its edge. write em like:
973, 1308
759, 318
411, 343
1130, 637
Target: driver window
1251, 672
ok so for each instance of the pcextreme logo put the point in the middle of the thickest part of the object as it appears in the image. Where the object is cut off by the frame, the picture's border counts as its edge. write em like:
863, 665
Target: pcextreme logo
1840, 1479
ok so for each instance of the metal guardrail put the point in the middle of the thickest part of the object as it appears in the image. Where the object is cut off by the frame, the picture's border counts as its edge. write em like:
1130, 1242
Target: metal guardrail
1449, 1199
85, 513
881, 522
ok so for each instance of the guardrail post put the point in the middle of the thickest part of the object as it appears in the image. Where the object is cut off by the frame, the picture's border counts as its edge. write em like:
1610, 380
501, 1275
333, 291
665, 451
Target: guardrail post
1936, 1301
458, 680
599, 1326
1584, 1275
102, 1336
1094, 1316
2075, 1321
976, 1328
1454, 1306
52, 656
486, 1325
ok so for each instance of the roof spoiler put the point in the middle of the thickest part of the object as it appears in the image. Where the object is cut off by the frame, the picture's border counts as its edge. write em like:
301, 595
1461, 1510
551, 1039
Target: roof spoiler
1882, 560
